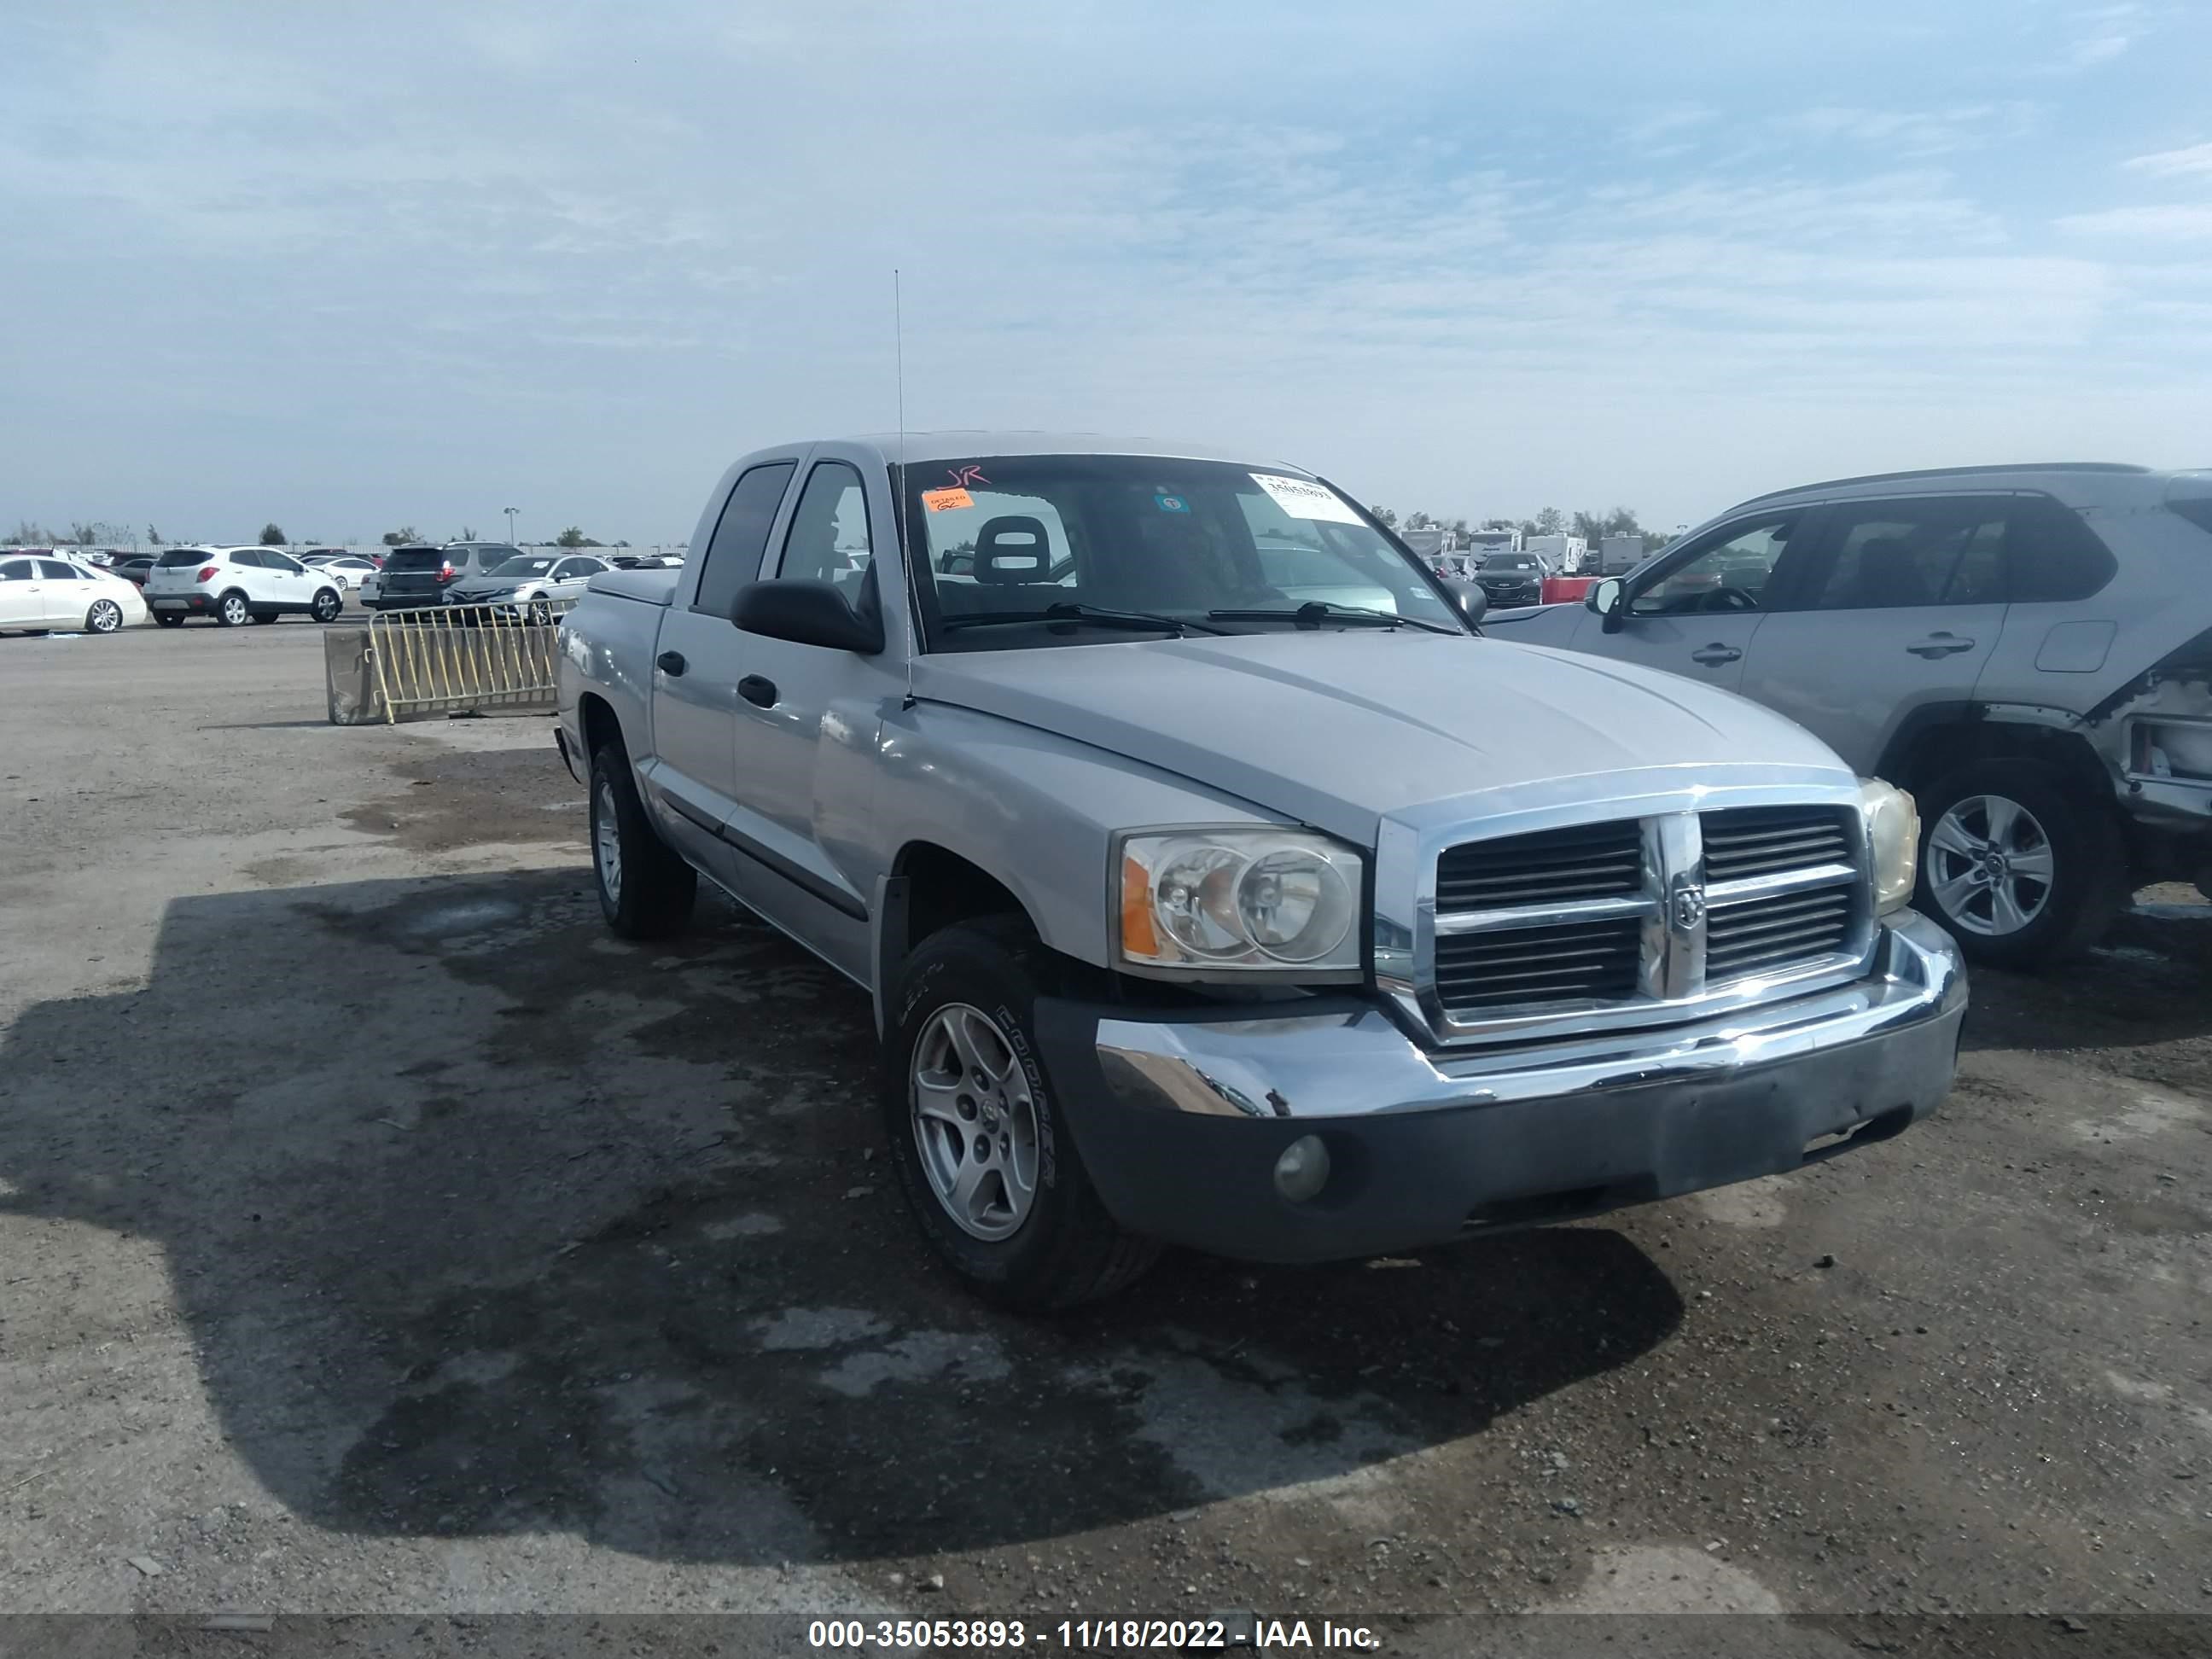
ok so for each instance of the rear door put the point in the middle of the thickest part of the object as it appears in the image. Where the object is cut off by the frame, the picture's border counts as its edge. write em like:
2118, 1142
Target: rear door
1901, 603
692, 775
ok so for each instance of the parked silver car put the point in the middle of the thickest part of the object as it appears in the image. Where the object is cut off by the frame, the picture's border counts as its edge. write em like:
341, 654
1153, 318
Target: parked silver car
1200, 906
2027, 649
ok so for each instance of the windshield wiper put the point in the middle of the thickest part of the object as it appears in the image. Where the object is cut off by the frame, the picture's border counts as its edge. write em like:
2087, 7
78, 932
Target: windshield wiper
1313, 612
1070, 611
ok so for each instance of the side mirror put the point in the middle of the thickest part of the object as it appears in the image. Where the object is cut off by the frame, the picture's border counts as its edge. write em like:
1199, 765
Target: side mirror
1610, 599
1473, 604
806, 613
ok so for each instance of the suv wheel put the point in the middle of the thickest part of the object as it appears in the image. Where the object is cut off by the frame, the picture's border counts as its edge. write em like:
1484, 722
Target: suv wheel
646, 888
168, 619
327, 604
984, 1161
2022, 869
232, 610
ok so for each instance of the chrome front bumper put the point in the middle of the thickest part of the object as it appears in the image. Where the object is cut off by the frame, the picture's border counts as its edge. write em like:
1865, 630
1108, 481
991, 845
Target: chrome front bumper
1179, 1121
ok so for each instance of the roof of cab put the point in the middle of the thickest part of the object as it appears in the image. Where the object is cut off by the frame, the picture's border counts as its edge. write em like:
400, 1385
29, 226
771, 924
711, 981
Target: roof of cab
956, 446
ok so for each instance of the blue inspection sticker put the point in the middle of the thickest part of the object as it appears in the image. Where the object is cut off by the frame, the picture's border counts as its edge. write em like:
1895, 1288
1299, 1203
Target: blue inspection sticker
1172, 503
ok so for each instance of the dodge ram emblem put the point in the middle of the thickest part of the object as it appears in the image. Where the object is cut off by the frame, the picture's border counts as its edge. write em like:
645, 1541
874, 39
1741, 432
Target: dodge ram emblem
1689, 907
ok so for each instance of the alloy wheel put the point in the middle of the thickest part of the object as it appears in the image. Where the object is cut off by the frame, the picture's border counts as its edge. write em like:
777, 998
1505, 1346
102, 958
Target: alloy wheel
606, 843
975, 1121
1989, 865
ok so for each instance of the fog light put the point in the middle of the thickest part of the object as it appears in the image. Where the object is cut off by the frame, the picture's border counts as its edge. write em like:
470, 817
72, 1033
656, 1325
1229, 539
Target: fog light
1303, 1170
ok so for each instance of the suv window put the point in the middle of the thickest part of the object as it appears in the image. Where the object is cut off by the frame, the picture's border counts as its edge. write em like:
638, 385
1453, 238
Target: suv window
177, 558
1936, 551
1728, 574
733, 555
415, 558
249, 557
828, 534
2053, 556
278, 561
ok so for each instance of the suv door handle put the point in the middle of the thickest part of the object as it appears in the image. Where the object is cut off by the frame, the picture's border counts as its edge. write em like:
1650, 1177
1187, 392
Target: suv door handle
671, 663
754, 690
1715, 654
1940, 645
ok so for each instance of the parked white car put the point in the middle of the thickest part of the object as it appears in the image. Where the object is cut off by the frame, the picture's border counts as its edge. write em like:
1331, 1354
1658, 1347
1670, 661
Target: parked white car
42, 594
529, 579
234, 585
347, 570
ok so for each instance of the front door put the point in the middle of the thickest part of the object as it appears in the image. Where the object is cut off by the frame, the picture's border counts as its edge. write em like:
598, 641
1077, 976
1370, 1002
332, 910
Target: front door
1696, 612
692, 773
806, 729
1902, 603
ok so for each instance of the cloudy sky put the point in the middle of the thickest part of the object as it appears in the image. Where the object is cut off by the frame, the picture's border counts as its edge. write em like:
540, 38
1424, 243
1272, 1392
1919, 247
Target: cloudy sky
353, 266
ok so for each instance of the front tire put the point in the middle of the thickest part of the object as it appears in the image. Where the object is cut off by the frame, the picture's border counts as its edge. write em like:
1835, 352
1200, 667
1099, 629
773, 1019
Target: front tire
327, 604
232, 610
2023, 869
646, 888
977, 1137
106, 616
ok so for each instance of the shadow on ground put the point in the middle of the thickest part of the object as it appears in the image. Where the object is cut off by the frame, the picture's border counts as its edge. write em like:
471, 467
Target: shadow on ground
481, 1221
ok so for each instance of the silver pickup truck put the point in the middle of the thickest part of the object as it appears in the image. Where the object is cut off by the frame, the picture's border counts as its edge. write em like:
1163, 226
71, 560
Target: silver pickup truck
1216, 883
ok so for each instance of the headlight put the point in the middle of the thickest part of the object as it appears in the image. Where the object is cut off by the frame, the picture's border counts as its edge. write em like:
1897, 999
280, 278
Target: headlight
1892, 825
1240, 899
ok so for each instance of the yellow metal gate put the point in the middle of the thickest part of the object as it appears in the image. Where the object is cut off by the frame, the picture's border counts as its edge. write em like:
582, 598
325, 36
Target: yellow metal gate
445, 658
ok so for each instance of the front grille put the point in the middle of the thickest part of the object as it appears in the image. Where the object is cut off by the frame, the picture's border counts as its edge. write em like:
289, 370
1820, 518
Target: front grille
1770, 934
1764, 841
1591, 860
1564, 962
1602, 917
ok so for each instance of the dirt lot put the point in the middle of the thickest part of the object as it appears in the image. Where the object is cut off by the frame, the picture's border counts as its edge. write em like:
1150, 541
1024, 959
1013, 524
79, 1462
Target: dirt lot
377, 1235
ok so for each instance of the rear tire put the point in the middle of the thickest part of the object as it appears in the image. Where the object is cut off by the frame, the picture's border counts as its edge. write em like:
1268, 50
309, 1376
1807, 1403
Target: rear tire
646, 888
1064, 1247
2049, 825
232, 610
168, 619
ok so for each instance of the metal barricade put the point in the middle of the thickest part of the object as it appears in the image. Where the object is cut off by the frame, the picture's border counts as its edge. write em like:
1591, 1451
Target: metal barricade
446, 658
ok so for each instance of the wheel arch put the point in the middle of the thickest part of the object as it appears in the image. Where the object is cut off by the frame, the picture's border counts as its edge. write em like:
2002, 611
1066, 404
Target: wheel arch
1939, 740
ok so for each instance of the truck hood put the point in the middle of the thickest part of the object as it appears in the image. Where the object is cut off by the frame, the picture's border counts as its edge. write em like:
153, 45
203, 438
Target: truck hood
1339, 729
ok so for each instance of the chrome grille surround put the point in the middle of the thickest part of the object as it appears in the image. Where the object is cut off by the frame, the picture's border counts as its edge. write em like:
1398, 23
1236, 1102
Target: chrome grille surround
1671, 909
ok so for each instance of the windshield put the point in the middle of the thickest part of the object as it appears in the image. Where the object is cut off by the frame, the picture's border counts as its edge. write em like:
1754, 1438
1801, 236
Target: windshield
1006, 538
528, 564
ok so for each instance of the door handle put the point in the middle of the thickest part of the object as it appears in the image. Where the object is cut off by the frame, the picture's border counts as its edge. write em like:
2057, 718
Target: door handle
754, 690
1715, 654
671, 663
1940, 645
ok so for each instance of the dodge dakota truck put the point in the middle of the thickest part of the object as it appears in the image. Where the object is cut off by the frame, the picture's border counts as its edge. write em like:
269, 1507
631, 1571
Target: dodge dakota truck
1217, 883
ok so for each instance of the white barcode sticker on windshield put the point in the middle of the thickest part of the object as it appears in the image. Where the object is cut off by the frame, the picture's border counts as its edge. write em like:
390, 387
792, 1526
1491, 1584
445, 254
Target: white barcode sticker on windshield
1302, 498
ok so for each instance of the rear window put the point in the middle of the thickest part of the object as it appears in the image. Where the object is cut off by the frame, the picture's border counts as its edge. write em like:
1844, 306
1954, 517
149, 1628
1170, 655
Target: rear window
413, 558
2054, 556
178, 558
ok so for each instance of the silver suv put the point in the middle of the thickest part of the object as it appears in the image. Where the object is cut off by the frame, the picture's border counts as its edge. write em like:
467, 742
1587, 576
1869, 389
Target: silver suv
2027, 649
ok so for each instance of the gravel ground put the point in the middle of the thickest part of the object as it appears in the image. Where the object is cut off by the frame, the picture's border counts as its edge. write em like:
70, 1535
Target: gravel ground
378, 1236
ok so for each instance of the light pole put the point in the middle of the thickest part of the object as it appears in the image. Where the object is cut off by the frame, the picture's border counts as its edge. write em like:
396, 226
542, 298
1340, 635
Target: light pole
511, 512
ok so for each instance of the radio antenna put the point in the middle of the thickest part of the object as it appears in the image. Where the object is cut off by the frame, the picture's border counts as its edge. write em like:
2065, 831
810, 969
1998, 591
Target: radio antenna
898, 468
